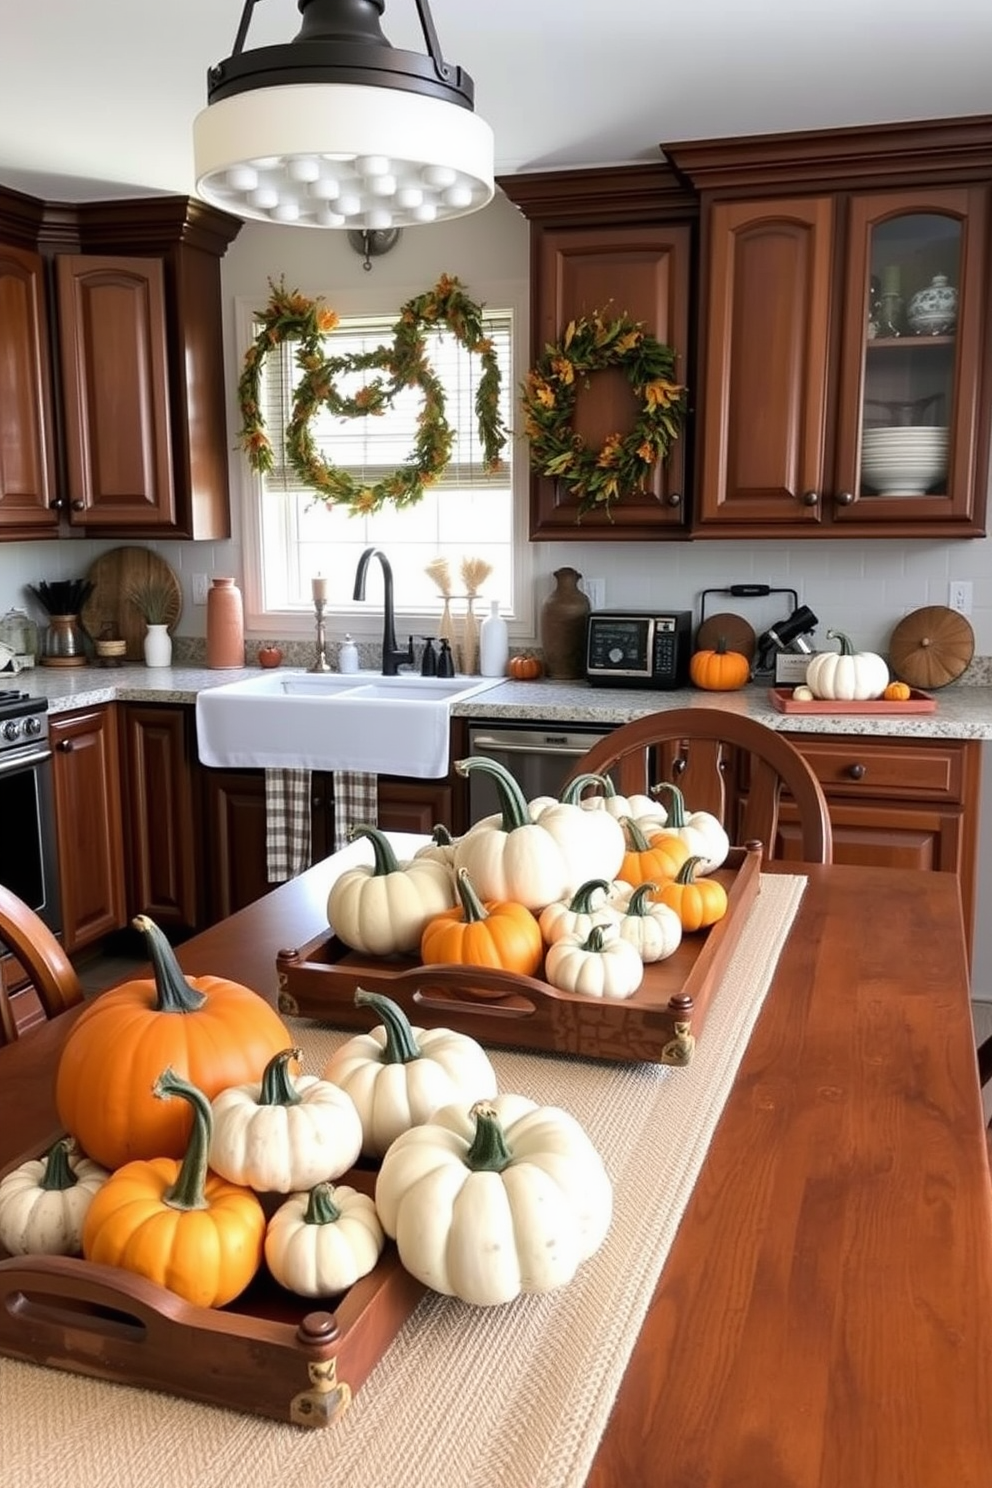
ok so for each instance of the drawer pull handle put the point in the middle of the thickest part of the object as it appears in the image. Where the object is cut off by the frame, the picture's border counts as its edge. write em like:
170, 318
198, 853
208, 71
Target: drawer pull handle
856, 772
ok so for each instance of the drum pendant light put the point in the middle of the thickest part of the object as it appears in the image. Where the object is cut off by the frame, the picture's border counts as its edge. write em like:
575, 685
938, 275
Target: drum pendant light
339, 129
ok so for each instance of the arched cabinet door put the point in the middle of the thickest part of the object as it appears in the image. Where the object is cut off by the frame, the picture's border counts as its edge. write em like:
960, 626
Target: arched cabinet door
27, 439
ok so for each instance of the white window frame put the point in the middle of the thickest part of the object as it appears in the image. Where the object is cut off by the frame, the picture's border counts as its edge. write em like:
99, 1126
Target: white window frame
364, 620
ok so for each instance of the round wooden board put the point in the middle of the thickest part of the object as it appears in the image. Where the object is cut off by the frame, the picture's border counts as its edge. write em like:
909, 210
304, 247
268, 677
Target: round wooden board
737, 634
113, 574
931, 647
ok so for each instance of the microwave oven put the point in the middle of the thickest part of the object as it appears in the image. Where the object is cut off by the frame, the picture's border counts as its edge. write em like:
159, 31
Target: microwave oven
638, 648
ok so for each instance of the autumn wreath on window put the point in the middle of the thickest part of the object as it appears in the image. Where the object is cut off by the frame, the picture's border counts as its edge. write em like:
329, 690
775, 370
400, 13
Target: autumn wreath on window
291, 316
623, 465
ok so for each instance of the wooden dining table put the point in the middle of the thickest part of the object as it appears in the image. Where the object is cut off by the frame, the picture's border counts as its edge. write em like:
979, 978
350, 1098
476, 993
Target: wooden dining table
824, 1317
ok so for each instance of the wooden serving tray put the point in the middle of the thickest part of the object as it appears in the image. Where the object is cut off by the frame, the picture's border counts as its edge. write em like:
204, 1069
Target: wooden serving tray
660, 1023
269, 1353
917, 702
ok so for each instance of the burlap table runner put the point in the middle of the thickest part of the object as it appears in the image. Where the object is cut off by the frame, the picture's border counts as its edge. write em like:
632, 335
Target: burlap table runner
510, 1397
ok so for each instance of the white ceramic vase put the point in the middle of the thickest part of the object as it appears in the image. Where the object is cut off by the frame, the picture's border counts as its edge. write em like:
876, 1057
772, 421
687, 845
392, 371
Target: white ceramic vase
158, 646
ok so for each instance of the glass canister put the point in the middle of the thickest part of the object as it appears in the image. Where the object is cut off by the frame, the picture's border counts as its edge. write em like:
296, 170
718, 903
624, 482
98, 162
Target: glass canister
20, 633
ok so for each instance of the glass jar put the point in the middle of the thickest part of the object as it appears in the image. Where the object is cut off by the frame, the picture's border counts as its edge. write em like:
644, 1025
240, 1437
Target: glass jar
20, 633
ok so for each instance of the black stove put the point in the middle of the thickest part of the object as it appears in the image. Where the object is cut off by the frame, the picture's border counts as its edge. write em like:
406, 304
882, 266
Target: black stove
23, 720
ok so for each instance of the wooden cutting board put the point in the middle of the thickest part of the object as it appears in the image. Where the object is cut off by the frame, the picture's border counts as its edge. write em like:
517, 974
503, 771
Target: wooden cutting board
112, 575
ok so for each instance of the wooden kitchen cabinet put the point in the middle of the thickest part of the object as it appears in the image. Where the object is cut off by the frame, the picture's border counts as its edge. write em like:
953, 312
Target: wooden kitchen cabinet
89, 832
27, 433
812, 247
161, 818
620, 242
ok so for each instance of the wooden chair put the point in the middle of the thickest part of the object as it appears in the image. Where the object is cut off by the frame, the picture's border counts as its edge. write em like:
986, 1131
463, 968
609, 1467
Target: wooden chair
700, 749
985, 1076
49, 969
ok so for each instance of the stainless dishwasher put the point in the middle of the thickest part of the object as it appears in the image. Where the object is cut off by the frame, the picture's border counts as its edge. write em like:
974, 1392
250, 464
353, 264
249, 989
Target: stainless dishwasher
538, 756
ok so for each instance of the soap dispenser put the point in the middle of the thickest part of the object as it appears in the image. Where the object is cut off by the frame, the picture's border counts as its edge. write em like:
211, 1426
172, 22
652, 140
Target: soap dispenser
348, 655
428, 661
445, 660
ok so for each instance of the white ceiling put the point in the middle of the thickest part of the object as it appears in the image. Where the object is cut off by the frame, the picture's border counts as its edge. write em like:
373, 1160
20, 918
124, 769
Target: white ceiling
98, 96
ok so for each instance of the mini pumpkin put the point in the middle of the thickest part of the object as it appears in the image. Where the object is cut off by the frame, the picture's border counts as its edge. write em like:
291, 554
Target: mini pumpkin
846, 675
702, 832
489, 1200
44, 1202
600, 964
382, 910
174, 1222
525, 667
577, 915
321, 1242
897, 692
698, 902
719, 670
653, 929
399, 1075
657, 856
500, 933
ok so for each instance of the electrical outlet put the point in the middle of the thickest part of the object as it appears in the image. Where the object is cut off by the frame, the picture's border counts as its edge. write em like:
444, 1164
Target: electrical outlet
959, 596
596, 591
201, 583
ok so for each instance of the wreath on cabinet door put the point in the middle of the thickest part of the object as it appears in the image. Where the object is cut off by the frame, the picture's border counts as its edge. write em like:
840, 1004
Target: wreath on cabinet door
622, 466
291, 316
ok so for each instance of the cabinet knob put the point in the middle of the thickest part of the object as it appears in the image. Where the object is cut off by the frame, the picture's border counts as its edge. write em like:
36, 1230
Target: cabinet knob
845, 498
810, 498
66, 746
674, 498
79, 505
856, 772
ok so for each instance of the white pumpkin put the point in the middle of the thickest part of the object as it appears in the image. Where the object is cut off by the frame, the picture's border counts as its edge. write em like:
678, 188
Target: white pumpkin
382, 910
398, 1075
535, 858
577, 915
846, 675
654, 930
321, 1242
441, 848
494, 1199
283, 1133
646, 811
701, 831
44, 1202
601, 964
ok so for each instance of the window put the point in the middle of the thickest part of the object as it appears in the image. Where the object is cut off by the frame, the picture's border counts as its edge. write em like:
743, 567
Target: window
291, 535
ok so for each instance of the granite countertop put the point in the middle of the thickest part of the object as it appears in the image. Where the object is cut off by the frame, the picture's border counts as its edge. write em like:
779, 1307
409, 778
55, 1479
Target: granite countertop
963, 711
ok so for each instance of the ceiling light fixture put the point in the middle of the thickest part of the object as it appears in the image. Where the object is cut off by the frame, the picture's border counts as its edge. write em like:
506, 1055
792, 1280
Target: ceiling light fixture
339, 129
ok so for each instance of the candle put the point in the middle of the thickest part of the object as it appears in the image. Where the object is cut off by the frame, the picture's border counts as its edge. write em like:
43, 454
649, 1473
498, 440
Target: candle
319, 586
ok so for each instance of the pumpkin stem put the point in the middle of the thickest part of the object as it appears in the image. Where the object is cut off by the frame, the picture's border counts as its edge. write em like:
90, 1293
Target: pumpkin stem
594, 940
676, 818
636, 840
488, 1152
687, 873
58, 1172
513, 803
473, 909
173, 992
401, 1047
572, 794
277, 1085
321, 1208
188, 1190
581, 901
441, 837
846, 646
385, 860
639, 902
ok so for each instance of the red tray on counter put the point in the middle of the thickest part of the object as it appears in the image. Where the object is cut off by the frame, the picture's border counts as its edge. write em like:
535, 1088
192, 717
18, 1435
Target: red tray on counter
917, 702
298, 1360
658, 1024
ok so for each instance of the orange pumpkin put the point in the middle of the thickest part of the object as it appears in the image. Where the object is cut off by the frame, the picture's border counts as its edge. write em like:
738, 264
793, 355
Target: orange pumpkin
201, 1236
500, 933
719, 670
658, 857
525, 667
698, 902
897, 692
211, 1031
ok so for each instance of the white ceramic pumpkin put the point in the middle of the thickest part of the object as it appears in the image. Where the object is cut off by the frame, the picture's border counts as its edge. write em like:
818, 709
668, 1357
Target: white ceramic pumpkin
44, 1202
398, 1075
489, 1200
846, 675
321, 1242
283, 1132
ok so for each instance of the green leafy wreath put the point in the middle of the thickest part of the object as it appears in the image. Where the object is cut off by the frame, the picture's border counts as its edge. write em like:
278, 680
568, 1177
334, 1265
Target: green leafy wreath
290, 316
624, 462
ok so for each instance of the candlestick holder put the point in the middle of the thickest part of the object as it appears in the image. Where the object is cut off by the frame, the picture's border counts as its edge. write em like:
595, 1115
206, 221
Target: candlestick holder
320, 663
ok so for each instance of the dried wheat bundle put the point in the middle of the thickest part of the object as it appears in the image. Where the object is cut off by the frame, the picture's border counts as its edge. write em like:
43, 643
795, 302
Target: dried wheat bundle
440, 571
475, 572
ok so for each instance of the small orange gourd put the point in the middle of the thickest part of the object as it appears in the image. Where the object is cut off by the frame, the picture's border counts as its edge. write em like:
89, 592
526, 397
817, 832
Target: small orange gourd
524, 668
897, 692
499, 933
719, 670
658, 857
698, 902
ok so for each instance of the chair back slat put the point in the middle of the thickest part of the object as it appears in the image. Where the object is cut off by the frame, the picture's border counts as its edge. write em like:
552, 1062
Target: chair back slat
49, 971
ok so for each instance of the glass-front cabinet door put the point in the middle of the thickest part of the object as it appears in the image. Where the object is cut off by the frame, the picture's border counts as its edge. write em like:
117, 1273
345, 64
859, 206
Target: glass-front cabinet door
910, 428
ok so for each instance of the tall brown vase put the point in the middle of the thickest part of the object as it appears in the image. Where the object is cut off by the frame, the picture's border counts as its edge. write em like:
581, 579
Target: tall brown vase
225, 625
563, 626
